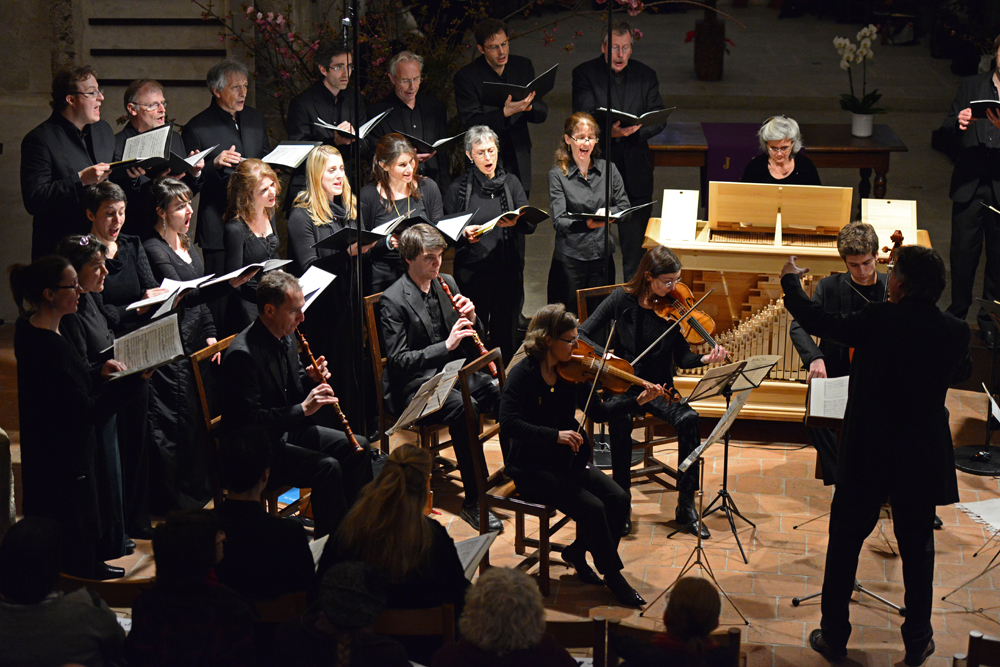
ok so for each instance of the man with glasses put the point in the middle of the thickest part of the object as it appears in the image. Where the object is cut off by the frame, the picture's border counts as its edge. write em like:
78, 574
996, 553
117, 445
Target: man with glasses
635, 90
69, 151
414, 114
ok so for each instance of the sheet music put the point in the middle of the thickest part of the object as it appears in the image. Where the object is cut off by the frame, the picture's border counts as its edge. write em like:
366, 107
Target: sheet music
317, 546
828, 397
288, 155
452, 227
994, 409
755, 371
386, 227
313, 282
193, 159
739, 399
471, 551
679, 216
430, 397
148, 144
448, 376
153, 344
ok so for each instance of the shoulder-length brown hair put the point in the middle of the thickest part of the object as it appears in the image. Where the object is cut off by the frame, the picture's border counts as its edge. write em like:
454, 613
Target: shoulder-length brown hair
563, 158
388, 150
656, 262
313, 199
553, 321
242, 186
386, 526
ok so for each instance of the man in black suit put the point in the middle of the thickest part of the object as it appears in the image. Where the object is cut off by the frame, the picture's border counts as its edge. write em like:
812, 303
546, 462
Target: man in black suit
238, 132
510, 121
422, 333
635, 90
975, 182
896, 441
263, 387
62, 156
415, 114
146, 109
330, 99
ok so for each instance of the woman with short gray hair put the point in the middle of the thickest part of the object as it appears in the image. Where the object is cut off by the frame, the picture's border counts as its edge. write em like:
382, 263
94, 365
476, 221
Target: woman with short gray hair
780, 160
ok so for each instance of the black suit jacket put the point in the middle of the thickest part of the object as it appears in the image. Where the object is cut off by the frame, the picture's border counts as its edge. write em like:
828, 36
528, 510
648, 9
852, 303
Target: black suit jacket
896, 440
980, 153
216, 126
434, 120
316, 102
642, 93
515, 141
834, 295
414, 354
52, 156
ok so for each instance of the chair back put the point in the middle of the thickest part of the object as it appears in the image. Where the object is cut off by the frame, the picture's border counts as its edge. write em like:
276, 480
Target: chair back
479, 436
433, 622
120, 593
728, 641
583, 633
583, 295
206, 380
983, 651
374, 334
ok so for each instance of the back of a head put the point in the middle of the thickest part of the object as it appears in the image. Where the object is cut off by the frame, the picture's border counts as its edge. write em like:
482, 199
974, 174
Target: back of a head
503, 612
29, 561
693, 609
921, 270
184, 547
244, 455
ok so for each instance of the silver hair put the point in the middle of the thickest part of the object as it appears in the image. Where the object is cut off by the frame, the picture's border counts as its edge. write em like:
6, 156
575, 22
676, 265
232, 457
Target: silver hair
503, 612
618, 28
477, 134
777, 128
218, 76
405, 57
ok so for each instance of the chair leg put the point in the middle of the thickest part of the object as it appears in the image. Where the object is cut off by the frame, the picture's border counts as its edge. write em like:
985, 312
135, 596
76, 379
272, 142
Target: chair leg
543, 555
519, 533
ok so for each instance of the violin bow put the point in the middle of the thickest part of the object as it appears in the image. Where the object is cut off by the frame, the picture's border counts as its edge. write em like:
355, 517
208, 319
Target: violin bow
663, 335
600, 369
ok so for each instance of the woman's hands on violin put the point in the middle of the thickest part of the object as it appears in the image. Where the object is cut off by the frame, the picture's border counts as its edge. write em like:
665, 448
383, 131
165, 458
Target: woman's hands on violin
717, 354
571, 439
649, 392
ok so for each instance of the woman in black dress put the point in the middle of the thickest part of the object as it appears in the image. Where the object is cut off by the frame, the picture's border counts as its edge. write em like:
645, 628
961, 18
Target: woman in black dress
779, 160
549, 458
398, 190
249, 236
490, 269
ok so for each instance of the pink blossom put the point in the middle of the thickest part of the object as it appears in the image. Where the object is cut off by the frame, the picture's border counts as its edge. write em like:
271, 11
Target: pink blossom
280, 20
249, 9
637, 34
291, 36
270, 16
260, 15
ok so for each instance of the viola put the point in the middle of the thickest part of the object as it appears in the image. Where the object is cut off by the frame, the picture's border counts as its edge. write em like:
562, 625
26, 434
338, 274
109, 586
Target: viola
616, 374
697, 327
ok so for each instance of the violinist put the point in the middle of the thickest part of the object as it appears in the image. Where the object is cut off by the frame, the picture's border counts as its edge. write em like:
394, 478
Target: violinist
549, 458
634, 309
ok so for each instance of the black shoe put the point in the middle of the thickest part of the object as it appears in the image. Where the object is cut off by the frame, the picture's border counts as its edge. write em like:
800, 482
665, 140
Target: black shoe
917, 659
938, 523
687, 516
989, 338
141, 533
622, 591
819, 645
470, 514
576, 557
129, 547
627, 528
104, 571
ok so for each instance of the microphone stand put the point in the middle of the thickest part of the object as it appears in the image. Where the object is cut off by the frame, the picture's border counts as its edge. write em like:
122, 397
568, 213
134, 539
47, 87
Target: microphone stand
608, 261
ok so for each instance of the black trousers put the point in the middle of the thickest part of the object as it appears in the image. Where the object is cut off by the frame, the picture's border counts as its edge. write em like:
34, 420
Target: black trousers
680, 416
133, 446
215, 262
597, 505
301, 467
853, 516
632, 232
970, 224
498, 302
567, 275
356, 469
827, 444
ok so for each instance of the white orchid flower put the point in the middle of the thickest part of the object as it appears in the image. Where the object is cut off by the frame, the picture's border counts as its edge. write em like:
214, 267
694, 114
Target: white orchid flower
845, 63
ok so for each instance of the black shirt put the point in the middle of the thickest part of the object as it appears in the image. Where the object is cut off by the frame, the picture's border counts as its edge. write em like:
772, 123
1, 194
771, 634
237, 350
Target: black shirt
804, 173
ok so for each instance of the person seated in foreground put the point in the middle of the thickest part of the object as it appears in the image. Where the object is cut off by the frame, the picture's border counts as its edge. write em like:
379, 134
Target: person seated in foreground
504, 625
40, 625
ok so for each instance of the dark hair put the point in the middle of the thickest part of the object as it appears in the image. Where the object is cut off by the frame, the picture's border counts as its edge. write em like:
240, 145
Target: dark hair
487, 28
244, 455
691, 615
29, 560
563, 157
552, 320
164, 192
273, 288
330, 50
656, 262
136, 87
28, 282
66, 81
387, 151
921, 271
95, 195
184, 547
81, 250
420, 238
857, 238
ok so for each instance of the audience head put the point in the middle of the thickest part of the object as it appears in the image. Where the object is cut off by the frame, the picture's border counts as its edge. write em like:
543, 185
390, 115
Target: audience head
491, 40
780, 137
404, 70
253, 190
48, 283
579, 144
144, 104
549, 326
172, 199
386, 527
658, 272
279, 302
335, 64
421, 247
395, 166
857, 244
352, 595
76, 95
229, 83
87, 255
244, 459
503, 612
917, 274
482, 147
692, 613
326, 180
29, 560
622, 35
105, 207
186, 547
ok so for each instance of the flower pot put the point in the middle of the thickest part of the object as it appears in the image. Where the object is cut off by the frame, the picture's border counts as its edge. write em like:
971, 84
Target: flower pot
861, 124
709, 49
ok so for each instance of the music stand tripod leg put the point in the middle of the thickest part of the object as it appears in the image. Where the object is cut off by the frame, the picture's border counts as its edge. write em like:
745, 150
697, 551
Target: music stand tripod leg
992, 565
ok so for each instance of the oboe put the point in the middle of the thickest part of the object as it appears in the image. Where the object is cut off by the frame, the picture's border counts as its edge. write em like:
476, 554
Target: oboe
475, 336
336, 406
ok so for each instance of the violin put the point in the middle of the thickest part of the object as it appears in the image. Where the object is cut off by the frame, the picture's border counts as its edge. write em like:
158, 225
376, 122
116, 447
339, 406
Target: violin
616, 375
697, 327
890, 261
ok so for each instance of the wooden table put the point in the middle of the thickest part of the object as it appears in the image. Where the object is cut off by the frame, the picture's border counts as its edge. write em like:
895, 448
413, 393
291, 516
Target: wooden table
829, 145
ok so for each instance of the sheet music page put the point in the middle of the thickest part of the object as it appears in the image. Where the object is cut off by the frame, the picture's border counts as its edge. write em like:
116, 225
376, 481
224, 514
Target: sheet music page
449, 375
316, 547
679, 216
288, 156
313, 282
471, 551
193, 160
452, 227
363, 132
153, 344
828, 397
994, 409
385, 228
147, 144
755, 371
322, 123
888, 215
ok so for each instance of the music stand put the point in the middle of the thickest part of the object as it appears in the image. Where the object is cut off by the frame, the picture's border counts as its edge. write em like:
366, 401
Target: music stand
985, 459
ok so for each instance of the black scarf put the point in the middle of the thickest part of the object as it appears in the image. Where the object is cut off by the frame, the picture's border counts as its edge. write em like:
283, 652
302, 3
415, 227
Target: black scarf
491, 186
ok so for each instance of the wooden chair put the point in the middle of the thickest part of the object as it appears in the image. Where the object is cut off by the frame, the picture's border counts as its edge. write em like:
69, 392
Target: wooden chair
652, 468
210, 412
983, 652
584, 633
428, 437
433, 622
119, 593
497, 492
728, 641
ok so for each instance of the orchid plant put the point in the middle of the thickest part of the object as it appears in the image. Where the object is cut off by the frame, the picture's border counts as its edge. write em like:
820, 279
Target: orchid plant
858, 54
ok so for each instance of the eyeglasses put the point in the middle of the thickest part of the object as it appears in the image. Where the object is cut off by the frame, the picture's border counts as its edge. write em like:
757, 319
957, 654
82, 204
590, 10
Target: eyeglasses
337, 69
584, 140
92, 94
74, 286
152, 106
406, 82
668, 282
493, 48
484, 152
621, 50
571, 341
777, 150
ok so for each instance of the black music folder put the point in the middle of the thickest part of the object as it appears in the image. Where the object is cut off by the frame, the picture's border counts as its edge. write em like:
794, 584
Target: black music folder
495, 94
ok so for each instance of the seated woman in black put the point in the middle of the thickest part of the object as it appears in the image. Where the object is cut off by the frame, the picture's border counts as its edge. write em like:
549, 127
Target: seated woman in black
549, 458
779, 160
